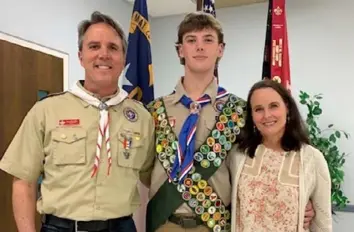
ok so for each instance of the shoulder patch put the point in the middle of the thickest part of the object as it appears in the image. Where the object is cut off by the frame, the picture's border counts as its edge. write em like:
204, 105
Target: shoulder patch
53, 95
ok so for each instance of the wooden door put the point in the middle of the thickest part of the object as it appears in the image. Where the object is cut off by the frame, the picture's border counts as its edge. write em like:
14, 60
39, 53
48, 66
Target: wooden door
24, 73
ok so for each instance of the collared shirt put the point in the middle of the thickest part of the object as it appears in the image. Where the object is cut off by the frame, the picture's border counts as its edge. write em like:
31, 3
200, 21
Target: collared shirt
58, 138
178, 113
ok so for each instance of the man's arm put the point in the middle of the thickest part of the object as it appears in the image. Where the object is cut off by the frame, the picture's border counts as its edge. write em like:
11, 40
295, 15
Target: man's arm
145, 173
24, 205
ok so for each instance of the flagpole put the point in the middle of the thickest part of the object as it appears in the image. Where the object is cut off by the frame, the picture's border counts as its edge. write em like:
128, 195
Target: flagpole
199, 5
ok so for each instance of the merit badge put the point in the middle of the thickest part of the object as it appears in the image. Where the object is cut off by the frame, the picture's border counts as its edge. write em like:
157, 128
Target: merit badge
218, 105
227, 111
213, 197
200, 196
196, 177
202, 184
234, 117
172, 121
211, 223
181, 188
206, 203
161, 117
211, 210
217, 203
198, 156
220, 127
216, 133
194, 190
186, 196
130, 114
211, 156
223, 118
205, 217
205, 163
188, 182
210, 141
199, 210
193, 202
208, 191
204, 149
217, 228
217, 162
217, 147
217, 216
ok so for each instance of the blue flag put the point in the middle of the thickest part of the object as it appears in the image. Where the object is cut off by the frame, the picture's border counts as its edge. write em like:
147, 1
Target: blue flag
138, 75
209, 7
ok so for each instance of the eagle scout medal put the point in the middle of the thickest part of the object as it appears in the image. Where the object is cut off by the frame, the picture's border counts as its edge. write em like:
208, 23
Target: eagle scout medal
130, 114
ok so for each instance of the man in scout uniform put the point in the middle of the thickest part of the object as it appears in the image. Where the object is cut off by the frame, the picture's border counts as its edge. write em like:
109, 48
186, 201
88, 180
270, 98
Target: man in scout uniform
196, 127
91, 143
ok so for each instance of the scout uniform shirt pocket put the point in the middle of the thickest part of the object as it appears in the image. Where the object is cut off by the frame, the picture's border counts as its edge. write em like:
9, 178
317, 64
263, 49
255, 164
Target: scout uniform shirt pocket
69, 146
130, 150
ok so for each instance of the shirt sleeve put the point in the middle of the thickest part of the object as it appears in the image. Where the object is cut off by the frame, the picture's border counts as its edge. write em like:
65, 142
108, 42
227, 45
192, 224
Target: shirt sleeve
145, 173
321, 196
24, 156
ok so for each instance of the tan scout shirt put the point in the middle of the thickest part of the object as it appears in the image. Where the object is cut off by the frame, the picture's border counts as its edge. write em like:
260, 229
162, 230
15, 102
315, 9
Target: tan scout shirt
220, 181
65, 154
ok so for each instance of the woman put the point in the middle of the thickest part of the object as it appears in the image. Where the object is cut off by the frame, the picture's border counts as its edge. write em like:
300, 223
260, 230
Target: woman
276, 172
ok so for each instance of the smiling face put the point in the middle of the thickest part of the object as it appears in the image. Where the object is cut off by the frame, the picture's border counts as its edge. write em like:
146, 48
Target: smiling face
269, 112
101, 56
200, 49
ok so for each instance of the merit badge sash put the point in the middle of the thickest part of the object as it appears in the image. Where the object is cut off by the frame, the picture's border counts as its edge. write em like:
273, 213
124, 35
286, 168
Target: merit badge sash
195, 189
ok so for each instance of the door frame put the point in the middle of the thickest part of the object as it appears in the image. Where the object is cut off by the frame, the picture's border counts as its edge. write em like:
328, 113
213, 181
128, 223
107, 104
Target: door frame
50, 51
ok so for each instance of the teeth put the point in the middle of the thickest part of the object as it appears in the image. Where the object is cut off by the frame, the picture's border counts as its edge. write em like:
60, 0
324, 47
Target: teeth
103, 67
268, 123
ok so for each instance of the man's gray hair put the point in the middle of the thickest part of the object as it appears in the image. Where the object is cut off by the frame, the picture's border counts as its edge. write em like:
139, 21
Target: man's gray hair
98, 17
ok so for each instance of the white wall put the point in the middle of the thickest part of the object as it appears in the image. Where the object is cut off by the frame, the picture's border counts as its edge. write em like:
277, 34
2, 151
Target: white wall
321, 40
54, 23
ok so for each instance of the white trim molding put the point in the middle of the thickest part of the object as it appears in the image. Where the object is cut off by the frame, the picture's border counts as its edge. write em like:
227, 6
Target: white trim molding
44, 49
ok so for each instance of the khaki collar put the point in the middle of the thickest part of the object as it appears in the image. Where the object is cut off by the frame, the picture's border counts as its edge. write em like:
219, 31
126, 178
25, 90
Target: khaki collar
211, 91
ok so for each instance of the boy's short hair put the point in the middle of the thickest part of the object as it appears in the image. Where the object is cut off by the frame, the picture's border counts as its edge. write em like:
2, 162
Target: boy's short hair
197, 21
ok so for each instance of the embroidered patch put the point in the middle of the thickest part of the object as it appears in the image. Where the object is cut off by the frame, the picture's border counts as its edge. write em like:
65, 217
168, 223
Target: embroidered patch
218, 105
69, 122
172, 121
130, 114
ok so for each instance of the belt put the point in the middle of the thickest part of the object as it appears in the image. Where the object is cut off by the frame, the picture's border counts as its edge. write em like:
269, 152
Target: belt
81, 226
185, 221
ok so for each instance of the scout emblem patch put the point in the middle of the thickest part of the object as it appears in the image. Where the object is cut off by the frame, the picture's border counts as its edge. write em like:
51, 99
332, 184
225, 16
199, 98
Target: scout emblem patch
130, 114
218, 105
